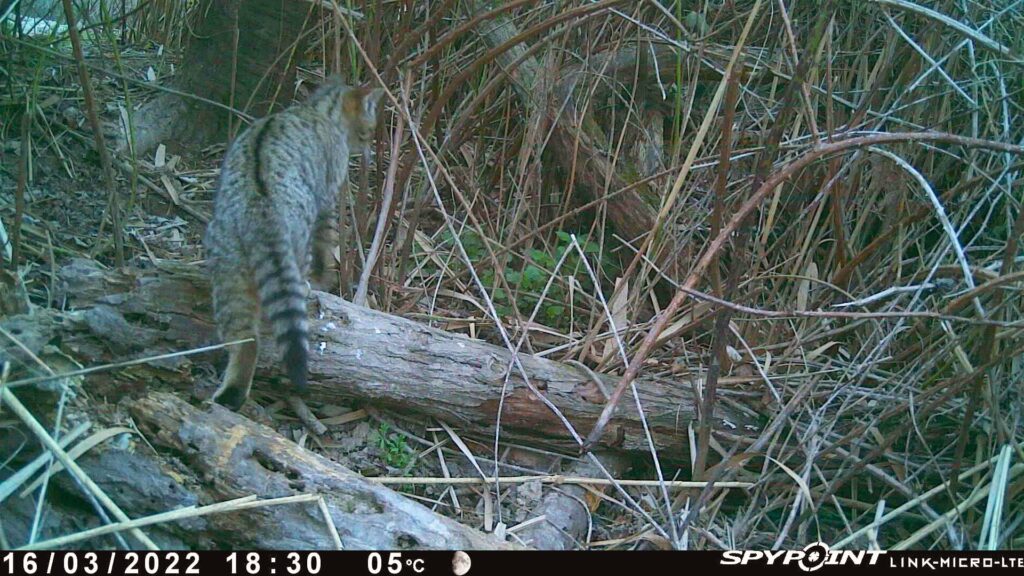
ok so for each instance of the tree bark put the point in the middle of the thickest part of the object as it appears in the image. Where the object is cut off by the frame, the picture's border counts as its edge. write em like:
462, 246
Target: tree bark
229, 456
564, 521
238, 457
242, 55
356, 354
132, 478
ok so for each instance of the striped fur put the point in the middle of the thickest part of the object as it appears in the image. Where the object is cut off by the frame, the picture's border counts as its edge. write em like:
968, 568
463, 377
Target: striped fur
277, 189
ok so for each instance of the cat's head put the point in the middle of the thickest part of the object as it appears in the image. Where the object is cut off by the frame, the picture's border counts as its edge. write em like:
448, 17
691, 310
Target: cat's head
359, 107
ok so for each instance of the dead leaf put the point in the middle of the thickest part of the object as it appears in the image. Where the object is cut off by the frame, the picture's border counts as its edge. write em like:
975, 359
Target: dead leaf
733, 354
804, 290
159, 159
172, 189
619, 317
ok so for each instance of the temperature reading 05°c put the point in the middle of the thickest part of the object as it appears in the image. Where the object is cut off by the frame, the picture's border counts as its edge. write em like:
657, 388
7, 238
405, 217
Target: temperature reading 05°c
395, 564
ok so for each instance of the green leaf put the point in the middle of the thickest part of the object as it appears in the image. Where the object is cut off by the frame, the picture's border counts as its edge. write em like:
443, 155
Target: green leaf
533, 275
542, 258
554, 311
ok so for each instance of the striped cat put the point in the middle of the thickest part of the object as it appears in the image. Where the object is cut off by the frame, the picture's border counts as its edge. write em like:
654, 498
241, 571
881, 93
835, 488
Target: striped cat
273, 215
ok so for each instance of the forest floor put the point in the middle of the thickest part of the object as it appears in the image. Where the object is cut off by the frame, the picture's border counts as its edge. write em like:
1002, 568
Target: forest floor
65, 218
809, 216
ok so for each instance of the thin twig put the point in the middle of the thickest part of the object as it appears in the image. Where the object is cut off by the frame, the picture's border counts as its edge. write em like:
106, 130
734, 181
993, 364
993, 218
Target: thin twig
755, 200
238, 504
554, 479
25, 416
97, 134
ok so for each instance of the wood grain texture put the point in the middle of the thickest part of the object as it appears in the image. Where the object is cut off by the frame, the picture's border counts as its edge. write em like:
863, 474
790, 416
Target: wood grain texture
236, 457
362, 355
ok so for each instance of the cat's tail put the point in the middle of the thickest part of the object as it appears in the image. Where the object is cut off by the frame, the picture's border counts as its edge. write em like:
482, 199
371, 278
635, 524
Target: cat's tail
282, 292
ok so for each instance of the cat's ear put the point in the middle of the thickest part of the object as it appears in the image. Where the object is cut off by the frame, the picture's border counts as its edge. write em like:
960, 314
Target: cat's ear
362, 102
371, 102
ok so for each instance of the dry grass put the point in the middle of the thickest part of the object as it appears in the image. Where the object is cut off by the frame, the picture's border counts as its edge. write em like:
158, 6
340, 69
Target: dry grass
559, 171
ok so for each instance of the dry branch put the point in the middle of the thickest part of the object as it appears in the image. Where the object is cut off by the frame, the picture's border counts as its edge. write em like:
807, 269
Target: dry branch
752, 203
574, 136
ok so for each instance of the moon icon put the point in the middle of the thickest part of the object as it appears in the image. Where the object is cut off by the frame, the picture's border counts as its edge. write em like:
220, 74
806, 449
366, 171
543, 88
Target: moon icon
461, 563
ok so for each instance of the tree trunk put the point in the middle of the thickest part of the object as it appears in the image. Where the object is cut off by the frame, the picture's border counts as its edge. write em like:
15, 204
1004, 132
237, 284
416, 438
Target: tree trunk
575, 135
242, 55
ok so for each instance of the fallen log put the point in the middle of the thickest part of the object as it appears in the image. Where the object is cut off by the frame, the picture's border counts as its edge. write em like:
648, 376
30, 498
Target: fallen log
117, 473
228, 456
236, 457
562, 521
357, 354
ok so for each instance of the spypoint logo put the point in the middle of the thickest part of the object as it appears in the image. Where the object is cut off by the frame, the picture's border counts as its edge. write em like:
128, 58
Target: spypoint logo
814, 557
811, 558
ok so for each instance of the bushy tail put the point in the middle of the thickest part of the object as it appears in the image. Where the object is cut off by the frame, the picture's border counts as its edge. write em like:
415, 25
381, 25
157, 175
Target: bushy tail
283, 299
